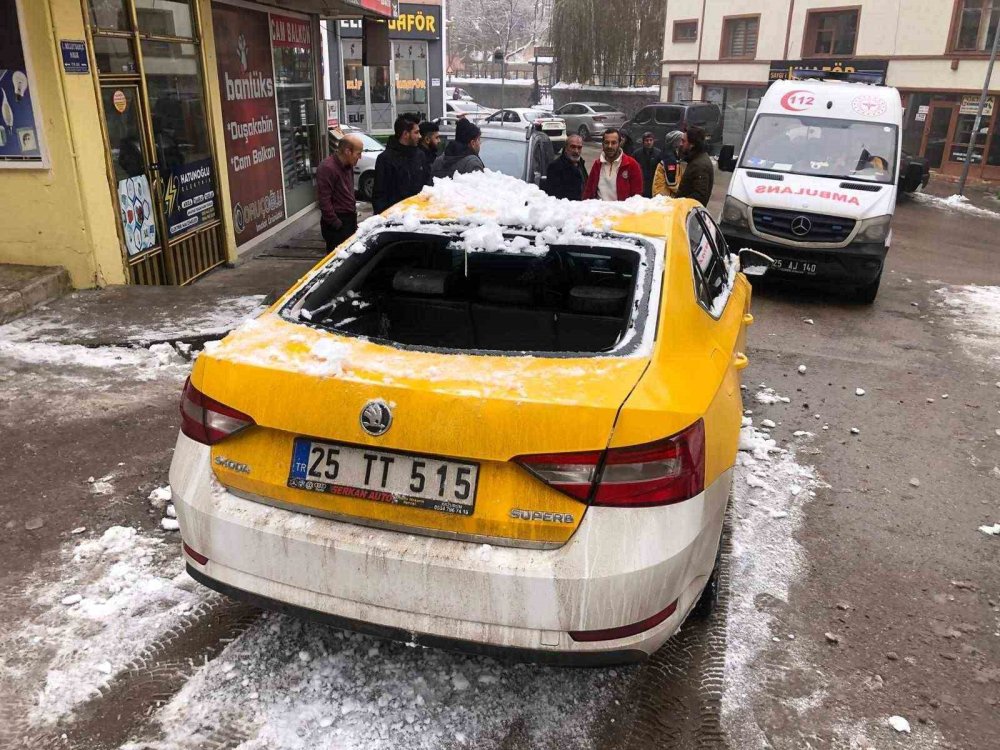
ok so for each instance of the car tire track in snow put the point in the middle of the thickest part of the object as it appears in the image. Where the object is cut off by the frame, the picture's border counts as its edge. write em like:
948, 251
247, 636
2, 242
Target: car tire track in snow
153, 677
677, 696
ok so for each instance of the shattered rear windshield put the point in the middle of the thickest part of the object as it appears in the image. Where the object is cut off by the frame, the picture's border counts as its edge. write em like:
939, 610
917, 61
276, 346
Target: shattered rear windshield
427, 290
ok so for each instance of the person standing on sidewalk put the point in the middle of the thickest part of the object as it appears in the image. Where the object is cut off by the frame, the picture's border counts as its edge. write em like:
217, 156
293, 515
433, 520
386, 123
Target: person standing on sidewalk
567, 175
616, 176
401, 170
699, 174
648, 156
335, 188
430, 140
670, 170
461, 156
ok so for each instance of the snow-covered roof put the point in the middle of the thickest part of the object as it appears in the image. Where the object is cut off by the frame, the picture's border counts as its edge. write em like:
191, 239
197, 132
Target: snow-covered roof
490, 199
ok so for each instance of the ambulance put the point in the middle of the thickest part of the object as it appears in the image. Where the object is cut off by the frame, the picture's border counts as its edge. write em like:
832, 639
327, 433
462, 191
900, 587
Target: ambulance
814, 186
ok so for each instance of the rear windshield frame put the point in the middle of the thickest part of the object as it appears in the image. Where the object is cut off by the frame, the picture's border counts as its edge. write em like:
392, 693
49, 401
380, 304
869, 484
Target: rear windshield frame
640, 331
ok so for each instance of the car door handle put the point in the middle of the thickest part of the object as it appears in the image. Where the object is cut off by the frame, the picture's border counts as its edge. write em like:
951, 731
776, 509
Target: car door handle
747, 319
740, 361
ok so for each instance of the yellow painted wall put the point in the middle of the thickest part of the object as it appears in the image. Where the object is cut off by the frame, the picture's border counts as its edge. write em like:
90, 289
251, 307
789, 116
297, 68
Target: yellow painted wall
63, 215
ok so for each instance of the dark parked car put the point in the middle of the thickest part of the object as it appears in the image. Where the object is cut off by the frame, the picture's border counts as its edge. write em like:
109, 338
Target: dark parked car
661, 118
908, 181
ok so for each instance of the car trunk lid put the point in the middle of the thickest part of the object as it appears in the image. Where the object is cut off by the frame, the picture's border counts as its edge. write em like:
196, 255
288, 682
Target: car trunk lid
457, 421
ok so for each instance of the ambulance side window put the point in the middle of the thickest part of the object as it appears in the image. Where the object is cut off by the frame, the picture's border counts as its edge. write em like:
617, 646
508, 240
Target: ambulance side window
708, 261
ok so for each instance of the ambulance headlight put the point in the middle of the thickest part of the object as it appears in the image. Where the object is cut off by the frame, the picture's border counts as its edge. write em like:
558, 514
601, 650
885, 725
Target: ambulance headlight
735, 212
875, 229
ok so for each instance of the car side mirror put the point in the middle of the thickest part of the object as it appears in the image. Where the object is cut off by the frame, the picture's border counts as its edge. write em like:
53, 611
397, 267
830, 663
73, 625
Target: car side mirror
757, 263
727, 159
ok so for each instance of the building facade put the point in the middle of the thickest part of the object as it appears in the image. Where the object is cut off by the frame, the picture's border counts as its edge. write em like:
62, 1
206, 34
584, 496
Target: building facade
371, 96
934, 51
149, 141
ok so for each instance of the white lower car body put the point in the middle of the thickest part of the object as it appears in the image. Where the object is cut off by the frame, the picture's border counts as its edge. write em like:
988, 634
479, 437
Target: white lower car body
622, 566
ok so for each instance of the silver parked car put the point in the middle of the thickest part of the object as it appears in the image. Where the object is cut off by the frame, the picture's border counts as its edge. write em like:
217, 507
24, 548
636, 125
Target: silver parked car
474, 112
590, 118
528, 118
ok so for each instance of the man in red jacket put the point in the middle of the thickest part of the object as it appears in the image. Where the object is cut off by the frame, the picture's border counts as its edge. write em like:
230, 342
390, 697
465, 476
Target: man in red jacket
616, 176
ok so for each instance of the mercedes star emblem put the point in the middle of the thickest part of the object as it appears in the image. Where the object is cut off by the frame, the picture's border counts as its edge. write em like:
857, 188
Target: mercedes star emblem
801, 226
376, 418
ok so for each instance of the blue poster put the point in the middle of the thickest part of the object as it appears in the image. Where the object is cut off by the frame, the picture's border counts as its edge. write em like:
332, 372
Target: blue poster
74, 56
190, 197
20, 140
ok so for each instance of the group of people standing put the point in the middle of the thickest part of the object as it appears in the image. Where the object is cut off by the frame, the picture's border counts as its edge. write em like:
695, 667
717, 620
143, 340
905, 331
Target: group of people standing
409, 162
683, 169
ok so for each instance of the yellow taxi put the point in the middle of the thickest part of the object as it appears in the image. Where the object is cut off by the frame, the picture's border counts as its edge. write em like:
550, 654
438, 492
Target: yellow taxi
491, 420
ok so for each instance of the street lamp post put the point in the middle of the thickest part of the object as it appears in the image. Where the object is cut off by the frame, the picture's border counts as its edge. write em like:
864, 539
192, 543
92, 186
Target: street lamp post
979, 114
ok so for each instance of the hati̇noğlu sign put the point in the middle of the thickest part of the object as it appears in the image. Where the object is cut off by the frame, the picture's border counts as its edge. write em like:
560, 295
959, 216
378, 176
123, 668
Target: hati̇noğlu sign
250, 119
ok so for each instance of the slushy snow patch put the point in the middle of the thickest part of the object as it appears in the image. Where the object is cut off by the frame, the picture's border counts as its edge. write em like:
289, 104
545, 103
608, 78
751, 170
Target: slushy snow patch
144, 364
993, 530
954, 203
770, 490
975, 313
767, 396
899, 724
117, 594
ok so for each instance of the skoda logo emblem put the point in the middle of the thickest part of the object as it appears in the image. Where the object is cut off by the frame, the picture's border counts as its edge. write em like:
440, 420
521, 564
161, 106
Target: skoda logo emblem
376, 418
801, 226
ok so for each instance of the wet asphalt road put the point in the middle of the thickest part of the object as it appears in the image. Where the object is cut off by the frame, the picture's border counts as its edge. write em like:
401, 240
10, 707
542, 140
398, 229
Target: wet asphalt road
883, 556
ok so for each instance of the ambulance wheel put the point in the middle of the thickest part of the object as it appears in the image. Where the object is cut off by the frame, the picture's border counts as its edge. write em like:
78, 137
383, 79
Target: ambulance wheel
867, 293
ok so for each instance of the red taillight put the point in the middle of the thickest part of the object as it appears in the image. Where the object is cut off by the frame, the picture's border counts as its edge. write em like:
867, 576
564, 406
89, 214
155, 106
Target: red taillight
624, 631
659, 473
206, 420
196, 556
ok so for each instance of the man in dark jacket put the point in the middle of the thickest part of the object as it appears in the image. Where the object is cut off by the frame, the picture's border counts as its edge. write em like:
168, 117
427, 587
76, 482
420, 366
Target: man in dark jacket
461, 155
430, 139
699, 174
567, 175
400, 170
648, 156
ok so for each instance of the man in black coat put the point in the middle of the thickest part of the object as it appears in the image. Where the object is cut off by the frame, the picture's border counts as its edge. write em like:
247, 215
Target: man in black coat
699, 174
567, 175
430, 140
401, 170
648, 157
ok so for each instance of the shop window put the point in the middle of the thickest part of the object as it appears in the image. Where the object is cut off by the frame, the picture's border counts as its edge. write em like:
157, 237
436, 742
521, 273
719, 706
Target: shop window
831, 32
355, 94
993, 158
165, 18
298, 126
110, 15
410, 59
114, 55
739, 37
963, 134
978, 21
381, 98
685, 31
177, 104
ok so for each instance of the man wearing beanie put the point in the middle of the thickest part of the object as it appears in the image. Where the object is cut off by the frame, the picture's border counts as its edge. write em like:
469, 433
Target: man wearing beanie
429, 139
461, 155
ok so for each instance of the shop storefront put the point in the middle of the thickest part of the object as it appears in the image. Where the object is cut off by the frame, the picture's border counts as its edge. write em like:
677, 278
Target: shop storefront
938, 126
149, 141
372, 96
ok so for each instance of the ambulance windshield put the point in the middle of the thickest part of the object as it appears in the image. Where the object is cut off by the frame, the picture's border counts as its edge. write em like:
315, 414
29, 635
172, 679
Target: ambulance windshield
822, 147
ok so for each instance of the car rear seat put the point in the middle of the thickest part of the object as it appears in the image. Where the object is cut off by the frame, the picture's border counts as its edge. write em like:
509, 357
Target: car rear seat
419, 315
506, 319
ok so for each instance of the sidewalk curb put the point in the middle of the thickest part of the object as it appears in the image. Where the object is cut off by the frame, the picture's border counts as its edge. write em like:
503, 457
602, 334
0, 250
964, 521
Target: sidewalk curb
46, 285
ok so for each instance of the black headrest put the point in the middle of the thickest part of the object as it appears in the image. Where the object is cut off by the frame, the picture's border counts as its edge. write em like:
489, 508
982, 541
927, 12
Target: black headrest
604, 300
421, 281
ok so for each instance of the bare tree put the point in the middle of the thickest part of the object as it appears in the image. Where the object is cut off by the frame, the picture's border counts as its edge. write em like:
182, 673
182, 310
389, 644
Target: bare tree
478, 27
593, 40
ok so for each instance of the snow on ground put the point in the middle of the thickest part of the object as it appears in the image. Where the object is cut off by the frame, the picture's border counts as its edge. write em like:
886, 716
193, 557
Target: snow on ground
954, 203
770, 491
114, 595
53, 325
287, 684
975, 312
143, 363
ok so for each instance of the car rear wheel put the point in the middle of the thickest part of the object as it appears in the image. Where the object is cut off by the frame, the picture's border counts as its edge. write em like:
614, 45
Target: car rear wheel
583, 132
709, 599
366, 186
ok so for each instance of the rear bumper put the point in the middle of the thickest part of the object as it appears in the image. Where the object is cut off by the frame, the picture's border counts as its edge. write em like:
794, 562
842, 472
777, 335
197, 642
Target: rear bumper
858, 263
615, 571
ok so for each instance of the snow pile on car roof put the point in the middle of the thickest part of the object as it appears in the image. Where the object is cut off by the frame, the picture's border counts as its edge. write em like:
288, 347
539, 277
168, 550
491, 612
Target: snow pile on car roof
492, 198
